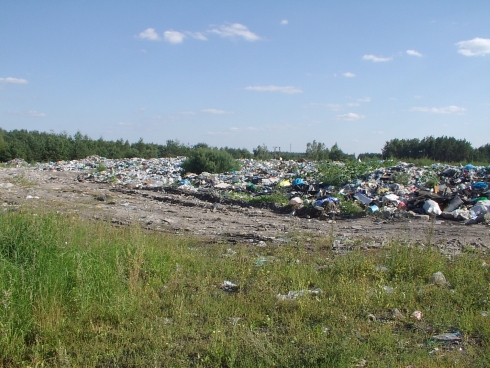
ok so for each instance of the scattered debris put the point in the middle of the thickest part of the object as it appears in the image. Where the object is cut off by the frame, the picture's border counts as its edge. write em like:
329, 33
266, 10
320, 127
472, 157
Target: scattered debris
293, 295
229, 287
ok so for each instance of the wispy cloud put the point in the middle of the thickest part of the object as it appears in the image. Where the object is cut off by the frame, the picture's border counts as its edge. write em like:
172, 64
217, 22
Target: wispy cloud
349, 75
364, 99
214, 111
282, 89
333, 107
475, 47
235, 30
10, 80
353, 104
30, 113
149, 34
284, 22
196, 35
439, 110
173, 36
350, 117
376, 59
414, 53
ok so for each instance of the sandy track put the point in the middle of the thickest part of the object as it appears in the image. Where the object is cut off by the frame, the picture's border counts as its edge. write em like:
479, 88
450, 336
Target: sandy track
214, 218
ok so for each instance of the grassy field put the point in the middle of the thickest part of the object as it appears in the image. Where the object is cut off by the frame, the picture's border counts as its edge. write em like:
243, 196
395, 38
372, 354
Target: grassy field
83, 294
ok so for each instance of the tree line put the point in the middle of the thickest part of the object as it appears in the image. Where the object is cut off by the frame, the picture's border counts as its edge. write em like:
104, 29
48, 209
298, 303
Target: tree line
34, 146
442, 149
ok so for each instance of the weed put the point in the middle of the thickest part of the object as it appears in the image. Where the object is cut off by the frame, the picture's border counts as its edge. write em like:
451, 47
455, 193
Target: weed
83, 294
402, 178
101, 167
348, 207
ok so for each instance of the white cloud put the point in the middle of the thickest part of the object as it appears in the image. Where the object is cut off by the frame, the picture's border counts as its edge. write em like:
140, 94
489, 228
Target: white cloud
236, 30
173, 36
364, 99
350, 117
11, 80
414, 53
214, 111
439, 110
349, 75
376, 59
197, 35
334, 107
284, 22
475, 47
30, 113
282, 89
353, 104
149, 34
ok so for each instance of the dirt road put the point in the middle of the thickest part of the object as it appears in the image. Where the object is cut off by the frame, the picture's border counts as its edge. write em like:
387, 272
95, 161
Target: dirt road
215, 218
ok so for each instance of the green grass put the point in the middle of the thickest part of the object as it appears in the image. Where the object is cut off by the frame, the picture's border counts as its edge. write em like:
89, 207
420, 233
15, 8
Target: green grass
83, 294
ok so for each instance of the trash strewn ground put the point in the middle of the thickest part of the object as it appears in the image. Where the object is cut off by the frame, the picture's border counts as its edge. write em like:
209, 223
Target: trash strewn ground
156, 194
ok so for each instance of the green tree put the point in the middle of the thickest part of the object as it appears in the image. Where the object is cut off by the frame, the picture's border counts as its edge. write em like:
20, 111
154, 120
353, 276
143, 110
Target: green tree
317, 151
262, 153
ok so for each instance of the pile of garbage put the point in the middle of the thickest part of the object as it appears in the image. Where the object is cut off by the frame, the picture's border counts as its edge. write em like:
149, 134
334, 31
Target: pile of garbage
402, 190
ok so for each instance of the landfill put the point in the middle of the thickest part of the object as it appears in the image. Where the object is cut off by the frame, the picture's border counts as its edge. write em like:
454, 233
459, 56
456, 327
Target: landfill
459, 193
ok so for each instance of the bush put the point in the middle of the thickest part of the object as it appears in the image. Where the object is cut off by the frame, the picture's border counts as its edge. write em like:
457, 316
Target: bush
210, 160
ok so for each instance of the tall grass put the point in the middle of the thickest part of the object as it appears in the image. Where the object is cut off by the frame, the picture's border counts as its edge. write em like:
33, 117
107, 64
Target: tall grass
75, 293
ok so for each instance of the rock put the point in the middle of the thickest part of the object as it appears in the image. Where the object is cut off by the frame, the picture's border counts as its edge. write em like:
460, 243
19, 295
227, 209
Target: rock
439, 279
398, 315
449, 337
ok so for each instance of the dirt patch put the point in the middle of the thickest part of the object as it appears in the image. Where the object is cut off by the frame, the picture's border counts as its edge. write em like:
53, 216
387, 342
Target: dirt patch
217, 218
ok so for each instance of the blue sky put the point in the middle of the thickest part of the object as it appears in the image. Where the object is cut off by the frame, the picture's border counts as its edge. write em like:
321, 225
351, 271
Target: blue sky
245, 73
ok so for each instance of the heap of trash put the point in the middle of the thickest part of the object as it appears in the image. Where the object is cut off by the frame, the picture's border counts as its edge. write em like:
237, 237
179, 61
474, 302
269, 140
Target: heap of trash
402, 190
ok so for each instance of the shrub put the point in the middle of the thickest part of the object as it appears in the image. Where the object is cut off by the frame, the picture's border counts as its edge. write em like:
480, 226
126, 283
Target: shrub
402, 178
210, 160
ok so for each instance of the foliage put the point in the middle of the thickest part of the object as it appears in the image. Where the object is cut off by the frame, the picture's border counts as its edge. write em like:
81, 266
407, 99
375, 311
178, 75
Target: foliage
337, 174
349, 207
370, 156
44, 147
402, 178
317, 151
210, 160
262, 153
443, 149
278, 196
96, 296
430, 180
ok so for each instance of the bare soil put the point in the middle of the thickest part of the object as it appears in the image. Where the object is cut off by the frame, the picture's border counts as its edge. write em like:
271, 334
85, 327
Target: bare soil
215, 218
